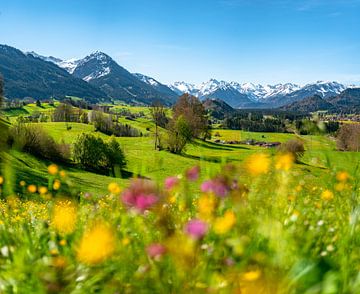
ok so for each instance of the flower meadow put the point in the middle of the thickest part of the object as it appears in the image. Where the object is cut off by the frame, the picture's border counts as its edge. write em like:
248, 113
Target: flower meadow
270, 232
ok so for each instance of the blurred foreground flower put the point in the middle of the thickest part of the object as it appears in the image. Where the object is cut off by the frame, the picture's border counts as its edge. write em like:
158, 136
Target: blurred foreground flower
196, 228
1, 180
171, 182
258, 164
342, 176
192, 174
64, 217
223, 224
141, 195
96, 245
53, 169
156, 250
327, 195
114, 188
217, 186
284, 161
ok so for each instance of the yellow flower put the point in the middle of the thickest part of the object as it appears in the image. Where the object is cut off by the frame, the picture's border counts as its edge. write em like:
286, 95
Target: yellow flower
258, 164
252, 276
64, 217
96, 245
56, 185
1, 180
114, 188
22, 183
53, 169
125, 241
63, 242
43, 190
284, 161
59, 262
32, 188
206, 206
340, 186
327, 195
342, 176
223, 224
62, 174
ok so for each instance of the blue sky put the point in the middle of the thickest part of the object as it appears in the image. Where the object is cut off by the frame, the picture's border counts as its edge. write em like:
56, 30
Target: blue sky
242, 40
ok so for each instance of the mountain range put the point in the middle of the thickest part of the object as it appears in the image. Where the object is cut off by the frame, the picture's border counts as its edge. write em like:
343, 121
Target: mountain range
97, 77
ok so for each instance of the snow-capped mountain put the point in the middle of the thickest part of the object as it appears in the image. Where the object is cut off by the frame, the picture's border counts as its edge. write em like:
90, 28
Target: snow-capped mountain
261, 96
156, 85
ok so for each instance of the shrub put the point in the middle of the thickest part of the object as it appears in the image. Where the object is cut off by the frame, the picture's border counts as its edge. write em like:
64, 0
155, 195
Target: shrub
179, 135
294, 147
93, 153
34, 140
348, 137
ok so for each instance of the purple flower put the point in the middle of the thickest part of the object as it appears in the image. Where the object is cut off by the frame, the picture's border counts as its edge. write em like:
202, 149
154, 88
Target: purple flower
192, 174
141, 195
196, 228
171, 182
155, 250
216, 186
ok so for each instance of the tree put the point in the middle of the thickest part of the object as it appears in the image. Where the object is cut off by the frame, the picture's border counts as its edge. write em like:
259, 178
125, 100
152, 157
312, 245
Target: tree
194, 113
348, 137
179, 134
294, 147
158, 115
38, 103
115, 156
63, 113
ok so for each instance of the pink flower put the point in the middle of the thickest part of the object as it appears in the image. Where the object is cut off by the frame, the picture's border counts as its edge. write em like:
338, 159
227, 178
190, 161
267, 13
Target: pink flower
171, 182
216, 186
192, 174
155, 250
141, 195
196, 228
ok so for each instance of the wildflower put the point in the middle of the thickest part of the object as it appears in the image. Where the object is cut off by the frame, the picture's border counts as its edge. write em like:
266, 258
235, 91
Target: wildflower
43, 190
206, 206
62, 174
252, 276
155, 250
53, 169
342, 176
64, 217
192, 174
327, 195
56, 185
22, 183
341, 186
96, 245
32, 188
284, 161
258, 164
125, 241
59, 262
216, 186
114, 188
141, 195
223, 224
63, 242
1, 180
196, 228
171, 182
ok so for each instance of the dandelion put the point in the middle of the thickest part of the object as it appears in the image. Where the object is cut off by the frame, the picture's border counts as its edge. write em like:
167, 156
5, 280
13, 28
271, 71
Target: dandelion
223, 224
196, 229
327, 195
53, 169
206, 206
62, 174
252, 276
171, 182
22, 183
32, 188
1, 180
63, 242
64, 217
43, 190
141, 195
342, 176
155, 250
284, 161
96, 245
258, 164
114, 188
56, 185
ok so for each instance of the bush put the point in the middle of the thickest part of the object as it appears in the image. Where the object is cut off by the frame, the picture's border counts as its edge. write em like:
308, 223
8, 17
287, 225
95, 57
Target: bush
34, 140
93, 153
348, 137
179, 135
294, 147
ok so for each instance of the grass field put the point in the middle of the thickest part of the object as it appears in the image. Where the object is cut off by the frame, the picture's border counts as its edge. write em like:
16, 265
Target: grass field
250, 221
